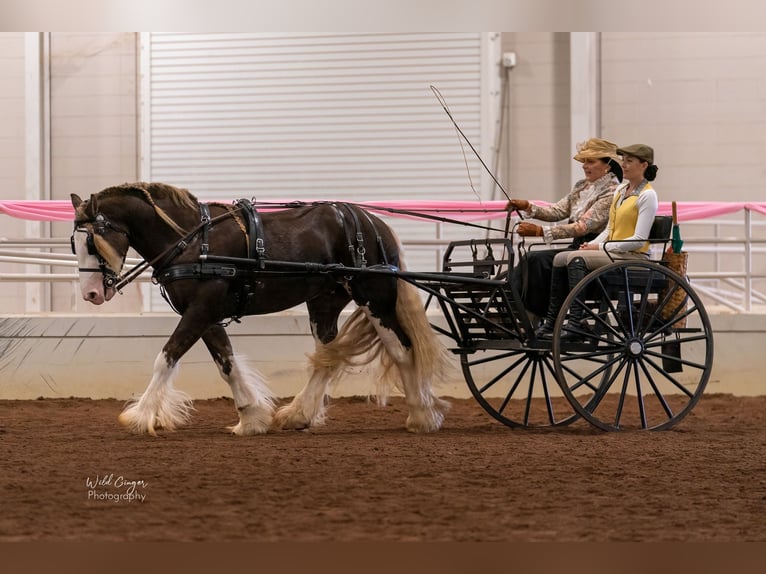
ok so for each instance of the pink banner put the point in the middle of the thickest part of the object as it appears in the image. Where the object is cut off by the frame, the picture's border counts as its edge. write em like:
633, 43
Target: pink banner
61, 210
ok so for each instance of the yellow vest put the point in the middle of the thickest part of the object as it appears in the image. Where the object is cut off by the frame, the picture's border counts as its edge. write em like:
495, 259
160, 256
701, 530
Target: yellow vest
624, 217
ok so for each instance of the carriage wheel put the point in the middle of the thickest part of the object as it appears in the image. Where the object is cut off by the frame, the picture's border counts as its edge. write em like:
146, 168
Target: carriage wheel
647, 327
517, 387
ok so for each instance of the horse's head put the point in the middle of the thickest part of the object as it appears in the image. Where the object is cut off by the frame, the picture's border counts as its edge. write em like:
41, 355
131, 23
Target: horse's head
100, 246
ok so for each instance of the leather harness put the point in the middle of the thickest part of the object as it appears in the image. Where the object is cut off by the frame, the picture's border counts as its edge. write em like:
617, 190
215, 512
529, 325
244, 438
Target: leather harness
202, 269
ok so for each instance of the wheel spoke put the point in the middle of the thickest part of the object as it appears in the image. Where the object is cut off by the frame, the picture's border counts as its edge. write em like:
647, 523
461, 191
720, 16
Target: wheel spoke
671, 379
518, 392
657, 392
501, 375
639, 395
680, 361
585, 380
495, 358
545, 362
621, 401
515, 386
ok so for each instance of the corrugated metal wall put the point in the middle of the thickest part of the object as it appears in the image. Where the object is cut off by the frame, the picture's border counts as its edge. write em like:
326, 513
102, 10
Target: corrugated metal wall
312, 115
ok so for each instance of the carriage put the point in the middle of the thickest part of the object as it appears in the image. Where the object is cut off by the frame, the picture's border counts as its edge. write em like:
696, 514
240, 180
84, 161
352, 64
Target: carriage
641, 358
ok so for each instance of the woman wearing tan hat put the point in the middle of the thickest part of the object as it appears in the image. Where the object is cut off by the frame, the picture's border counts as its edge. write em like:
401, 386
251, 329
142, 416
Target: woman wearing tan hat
584, 213
631, 214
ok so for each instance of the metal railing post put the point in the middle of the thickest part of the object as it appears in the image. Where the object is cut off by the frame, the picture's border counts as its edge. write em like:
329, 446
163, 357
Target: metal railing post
748, 260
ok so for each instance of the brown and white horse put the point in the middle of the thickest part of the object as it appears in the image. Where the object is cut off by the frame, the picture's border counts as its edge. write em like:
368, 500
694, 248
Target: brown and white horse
185, 241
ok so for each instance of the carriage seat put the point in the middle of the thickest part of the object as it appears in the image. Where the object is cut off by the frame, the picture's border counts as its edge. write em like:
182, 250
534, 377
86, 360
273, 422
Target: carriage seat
660, 231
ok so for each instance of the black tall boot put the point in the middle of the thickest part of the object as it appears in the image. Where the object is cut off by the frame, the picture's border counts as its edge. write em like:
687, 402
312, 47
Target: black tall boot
559, 292
576, 270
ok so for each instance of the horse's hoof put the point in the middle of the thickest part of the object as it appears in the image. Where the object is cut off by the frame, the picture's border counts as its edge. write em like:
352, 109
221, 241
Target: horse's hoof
425, 423
241, 429
285, 419
297, 424
253, 419
135, 425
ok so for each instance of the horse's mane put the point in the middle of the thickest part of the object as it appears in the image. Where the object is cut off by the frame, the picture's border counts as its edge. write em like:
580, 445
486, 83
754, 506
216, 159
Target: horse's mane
177, 195
151, 192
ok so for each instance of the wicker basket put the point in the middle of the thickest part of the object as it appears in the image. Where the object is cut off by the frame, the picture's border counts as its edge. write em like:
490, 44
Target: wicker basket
677, 262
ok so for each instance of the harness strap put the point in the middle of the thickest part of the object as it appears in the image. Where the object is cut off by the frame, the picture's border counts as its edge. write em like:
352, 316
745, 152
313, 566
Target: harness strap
206, 270
205, 222
357, 255
378, 238
342, 223
196, 271
256, 248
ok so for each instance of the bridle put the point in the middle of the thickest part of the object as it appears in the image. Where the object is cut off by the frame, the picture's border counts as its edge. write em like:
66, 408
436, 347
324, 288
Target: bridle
98, 226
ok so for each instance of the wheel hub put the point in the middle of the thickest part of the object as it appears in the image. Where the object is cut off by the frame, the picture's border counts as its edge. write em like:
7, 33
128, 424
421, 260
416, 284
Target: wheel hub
635, 347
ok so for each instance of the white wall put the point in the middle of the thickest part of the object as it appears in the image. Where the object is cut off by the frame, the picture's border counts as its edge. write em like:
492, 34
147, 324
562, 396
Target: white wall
537, 149
12, 151
94, 131
700, 100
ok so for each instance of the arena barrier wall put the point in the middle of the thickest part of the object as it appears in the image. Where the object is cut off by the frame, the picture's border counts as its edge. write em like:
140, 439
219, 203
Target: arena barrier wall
99, 356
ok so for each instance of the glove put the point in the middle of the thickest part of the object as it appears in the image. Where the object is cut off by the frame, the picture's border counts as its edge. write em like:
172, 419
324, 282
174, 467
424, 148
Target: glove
520, 204
529, 229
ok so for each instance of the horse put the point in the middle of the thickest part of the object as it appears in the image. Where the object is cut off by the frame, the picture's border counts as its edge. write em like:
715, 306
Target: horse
323, 254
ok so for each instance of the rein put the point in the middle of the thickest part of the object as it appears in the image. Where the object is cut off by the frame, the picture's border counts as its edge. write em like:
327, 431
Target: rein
418, 214
172, 251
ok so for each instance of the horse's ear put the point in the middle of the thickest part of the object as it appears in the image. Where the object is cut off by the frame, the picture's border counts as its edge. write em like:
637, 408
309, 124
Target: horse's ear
76, 200
91, 209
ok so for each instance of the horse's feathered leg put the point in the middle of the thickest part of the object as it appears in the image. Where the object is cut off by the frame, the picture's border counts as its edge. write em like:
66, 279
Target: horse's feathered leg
162, 406
308, 406
417, 354
252, 397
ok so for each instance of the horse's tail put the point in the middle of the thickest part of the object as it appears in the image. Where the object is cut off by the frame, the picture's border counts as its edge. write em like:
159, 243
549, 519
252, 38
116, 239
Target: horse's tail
429, 355
359, 343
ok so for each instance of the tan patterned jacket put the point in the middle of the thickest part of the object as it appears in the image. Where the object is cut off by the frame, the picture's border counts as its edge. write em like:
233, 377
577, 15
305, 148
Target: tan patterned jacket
584, 210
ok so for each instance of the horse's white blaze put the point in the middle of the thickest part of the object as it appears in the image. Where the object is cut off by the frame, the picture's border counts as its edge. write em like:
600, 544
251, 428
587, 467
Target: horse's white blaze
252, 396
91, 282
161, 405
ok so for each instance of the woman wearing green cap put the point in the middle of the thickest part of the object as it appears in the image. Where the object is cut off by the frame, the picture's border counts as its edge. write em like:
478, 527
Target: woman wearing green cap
631, 215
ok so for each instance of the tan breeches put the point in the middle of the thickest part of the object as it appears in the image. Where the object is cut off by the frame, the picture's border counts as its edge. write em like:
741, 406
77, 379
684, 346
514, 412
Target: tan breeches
595, 259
